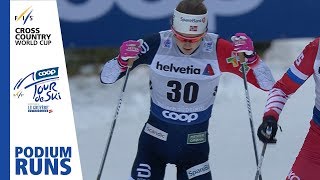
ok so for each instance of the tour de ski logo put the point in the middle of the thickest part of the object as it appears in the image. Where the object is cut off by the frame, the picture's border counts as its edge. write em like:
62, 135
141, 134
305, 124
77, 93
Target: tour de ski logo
31, 35
42, 86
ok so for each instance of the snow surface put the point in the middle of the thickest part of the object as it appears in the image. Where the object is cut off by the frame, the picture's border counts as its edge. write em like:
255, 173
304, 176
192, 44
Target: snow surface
231, 153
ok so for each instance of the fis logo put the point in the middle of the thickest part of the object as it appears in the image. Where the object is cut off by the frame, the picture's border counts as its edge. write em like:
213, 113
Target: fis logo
167, 43
24, 16
208, 46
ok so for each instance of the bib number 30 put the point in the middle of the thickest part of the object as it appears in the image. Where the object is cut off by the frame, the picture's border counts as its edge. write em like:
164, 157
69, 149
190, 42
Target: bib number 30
189, 92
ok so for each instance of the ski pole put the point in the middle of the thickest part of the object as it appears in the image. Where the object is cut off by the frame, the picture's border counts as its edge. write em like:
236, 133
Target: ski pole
268, 131
130, 62
258, 173
243, 69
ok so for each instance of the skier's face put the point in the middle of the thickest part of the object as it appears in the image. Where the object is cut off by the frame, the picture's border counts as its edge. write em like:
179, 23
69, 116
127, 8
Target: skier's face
188, 43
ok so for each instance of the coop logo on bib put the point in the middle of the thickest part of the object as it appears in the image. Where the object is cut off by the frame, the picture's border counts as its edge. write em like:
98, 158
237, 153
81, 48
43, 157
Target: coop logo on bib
180, 116
41, 87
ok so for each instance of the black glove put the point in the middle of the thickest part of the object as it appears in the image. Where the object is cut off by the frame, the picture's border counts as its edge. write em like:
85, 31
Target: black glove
268, 130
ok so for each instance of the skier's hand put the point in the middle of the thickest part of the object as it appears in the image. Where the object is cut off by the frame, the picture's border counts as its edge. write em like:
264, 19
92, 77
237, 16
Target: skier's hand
128, 50
268, 130
243, 43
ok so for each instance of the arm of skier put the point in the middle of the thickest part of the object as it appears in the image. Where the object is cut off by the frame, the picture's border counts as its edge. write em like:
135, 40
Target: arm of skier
115, 68
296, 75
142, 51
257, 72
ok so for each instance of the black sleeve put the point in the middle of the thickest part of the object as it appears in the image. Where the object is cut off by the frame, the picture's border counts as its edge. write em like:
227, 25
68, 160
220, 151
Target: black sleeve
149, 47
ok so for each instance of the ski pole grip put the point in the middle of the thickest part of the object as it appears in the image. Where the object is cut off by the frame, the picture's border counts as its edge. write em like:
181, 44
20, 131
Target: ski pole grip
130, 62
241, 57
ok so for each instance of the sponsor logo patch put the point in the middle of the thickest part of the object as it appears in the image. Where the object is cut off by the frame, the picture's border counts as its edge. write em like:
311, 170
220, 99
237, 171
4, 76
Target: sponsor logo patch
180, 116
167, 43
198, 170
233, 60
197, 138
144, 46
208, 70
208, 46
144, 171
155, 132
177, 69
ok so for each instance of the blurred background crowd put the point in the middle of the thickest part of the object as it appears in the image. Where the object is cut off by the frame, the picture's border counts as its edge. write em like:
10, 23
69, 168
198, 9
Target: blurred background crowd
92, 30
